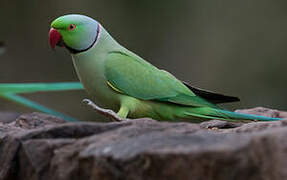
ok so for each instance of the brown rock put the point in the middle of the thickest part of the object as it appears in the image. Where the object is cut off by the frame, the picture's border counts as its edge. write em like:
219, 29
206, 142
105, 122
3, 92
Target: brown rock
6, 117
38, 146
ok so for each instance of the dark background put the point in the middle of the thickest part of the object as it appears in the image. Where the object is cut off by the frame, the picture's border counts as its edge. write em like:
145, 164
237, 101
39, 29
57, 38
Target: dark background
229, 46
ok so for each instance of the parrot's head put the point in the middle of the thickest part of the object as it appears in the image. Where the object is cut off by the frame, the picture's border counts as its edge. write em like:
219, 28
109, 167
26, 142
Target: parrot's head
76, 32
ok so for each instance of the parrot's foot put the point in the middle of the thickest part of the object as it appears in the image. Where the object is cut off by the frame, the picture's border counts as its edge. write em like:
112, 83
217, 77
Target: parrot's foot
106, 112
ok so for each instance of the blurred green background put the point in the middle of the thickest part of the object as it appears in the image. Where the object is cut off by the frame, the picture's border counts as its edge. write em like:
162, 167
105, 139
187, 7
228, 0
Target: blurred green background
229, 46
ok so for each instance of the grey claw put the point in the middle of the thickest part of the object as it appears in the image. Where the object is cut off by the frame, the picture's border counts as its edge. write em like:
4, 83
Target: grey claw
106, 112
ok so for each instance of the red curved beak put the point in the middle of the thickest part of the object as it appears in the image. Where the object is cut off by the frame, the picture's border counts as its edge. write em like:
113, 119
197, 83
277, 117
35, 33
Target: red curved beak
54, 37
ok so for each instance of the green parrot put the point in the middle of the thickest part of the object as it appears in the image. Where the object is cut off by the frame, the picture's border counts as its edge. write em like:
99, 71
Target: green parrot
10, 91
118, 80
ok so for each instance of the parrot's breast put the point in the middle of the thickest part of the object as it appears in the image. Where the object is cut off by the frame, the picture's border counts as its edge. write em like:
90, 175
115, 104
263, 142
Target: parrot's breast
90, 70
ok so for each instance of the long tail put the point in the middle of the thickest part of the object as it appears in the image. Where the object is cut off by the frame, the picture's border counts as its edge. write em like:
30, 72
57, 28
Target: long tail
213, 113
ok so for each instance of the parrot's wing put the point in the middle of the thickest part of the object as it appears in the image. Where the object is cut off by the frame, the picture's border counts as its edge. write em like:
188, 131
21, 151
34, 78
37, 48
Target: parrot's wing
211, 96
135, 77
34, 105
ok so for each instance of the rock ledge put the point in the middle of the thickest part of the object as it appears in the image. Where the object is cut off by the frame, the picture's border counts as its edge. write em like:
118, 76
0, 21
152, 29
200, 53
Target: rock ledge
38, 146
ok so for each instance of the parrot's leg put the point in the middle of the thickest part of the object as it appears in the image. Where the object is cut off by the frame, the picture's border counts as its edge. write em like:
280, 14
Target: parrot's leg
107, 112
123, 112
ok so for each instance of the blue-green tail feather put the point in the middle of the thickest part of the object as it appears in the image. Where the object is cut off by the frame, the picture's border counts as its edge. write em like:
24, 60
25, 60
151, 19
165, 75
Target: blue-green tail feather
214, 113
241, 116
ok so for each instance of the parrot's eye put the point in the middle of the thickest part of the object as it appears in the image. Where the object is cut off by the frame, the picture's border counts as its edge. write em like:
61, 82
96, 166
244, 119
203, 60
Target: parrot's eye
72, 27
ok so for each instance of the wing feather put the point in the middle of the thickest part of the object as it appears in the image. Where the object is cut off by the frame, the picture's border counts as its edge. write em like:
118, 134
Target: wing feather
213, 97
135, 77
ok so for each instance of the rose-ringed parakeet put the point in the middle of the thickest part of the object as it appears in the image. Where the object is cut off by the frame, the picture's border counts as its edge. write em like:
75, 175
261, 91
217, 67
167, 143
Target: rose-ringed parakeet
121, 81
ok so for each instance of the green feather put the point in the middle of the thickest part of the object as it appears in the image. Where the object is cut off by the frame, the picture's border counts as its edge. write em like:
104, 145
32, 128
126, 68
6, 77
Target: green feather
135, 77
118, 79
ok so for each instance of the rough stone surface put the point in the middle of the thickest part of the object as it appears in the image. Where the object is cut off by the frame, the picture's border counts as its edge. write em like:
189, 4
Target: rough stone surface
38, 146
6, 117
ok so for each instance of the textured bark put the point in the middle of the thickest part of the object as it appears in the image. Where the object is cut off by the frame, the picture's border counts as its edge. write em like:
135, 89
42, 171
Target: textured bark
38, 146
